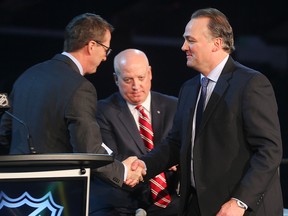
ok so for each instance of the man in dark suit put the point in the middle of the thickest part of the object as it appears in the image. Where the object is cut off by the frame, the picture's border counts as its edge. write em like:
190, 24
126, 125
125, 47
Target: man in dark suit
230, 166
56, 101
118, 120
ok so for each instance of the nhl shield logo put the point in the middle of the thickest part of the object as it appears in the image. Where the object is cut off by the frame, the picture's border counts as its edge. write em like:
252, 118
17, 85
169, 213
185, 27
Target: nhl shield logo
44, 206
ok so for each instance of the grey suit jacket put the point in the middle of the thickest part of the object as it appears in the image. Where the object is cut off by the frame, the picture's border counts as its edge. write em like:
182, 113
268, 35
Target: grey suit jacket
238, 148
58, 105
121, 134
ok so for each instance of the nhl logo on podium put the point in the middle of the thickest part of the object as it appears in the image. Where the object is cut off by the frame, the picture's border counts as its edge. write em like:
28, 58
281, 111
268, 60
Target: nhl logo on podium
31, 206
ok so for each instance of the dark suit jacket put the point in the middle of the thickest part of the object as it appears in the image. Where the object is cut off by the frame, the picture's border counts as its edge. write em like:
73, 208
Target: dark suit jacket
58, 105
121, 134
238, 149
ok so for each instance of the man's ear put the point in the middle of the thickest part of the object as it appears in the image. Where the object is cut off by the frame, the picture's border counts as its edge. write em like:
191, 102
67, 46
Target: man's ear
217, 44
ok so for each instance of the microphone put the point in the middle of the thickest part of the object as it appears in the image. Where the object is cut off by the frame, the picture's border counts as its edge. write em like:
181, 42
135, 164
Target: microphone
140, 212
4, 105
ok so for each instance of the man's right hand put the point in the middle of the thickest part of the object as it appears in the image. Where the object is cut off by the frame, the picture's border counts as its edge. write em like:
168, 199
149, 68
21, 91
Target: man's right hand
135, 174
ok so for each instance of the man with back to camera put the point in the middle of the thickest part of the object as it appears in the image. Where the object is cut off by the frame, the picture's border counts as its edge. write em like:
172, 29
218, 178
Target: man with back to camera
58, 103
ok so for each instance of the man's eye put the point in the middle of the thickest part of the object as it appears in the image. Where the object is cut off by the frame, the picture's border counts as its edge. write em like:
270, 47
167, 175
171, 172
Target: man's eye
127, 80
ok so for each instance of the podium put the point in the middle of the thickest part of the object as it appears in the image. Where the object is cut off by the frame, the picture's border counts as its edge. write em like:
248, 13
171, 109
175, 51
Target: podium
47, 184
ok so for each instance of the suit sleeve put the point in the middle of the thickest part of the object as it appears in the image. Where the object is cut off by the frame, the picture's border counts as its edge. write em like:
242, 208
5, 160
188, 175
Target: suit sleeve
81, 120
262, 129
85, 133
113, 172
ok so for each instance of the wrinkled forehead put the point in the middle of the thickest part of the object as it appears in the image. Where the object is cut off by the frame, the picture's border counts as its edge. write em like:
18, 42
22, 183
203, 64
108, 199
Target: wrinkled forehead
134, 70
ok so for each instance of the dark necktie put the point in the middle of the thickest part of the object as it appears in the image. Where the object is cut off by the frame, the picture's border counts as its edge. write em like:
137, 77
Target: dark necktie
201, 102
158, 184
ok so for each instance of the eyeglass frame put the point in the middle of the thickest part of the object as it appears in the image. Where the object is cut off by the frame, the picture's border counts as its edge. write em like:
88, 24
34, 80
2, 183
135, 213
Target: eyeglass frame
108, 50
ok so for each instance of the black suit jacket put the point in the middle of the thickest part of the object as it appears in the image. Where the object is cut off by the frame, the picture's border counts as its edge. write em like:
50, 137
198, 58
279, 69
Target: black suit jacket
238, 149
58, 105
121, 134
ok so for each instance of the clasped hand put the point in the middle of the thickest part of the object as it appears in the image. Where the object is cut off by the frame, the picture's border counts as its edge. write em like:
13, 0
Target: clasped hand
135, 170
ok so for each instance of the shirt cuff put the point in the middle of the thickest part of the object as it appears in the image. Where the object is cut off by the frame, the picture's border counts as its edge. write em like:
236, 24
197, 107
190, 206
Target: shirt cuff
125, 172
109, 151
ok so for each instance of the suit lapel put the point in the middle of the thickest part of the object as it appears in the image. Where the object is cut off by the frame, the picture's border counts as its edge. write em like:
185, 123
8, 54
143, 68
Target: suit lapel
128, 122
157, 119
191, 93
221, 86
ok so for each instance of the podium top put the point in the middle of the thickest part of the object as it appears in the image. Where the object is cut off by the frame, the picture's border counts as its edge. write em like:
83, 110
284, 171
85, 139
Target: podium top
55, 161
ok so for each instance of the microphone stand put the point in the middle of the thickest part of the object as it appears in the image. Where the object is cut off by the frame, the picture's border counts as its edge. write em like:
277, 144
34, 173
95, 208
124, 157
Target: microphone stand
29, 138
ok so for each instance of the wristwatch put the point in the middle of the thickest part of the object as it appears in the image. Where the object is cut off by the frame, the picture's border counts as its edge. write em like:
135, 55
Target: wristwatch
241, 204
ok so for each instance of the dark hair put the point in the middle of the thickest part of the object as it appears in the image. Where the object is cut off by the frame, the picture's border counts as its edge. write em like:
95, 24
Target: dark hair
219, 26
83, 28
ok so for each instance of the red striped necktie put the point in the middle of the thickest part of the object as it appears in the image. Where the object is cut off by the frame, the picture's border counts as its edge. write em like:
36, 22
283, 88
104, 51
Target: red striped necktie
158, 184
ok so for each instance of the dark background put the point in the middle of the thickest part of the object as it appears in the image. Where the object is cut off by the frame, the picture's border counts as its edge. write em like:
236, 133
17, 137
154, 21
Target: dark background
31, 31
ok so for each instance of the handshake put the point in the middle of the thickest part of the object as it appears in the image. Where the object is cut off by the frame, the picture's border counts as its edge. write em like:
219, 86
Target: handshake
136, 169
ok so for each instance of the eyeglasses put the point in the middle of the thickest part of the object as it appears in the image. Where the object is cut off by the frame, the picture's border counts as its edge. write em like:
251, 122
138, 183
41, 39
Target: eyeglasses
108, 50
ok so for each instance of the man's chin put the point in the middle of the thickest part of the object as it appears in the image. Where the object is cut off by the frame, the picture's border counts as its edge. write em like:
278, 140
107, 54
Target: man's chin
136, 100
91, 72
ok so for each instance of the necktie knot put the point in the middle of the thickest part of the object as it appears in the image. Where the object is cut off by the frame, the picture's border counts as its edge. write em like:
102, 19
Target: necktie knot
204, 82
145, 128
139, 107
142, 114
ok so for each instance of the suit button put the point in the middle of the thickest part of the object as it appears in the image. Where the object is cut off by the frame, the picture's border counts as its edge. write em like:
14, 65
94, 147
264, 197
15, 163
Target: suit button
116, 180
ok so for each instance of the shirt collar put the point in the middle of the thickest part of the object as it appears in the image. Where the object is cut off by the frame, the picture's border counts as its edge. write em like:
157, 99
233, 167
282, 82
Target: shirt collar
215, 73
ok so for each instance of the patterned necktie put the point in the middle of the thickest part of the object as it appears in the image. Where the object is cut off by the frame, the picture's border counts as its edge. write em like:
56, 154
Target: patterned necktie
158, 184
201, 102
